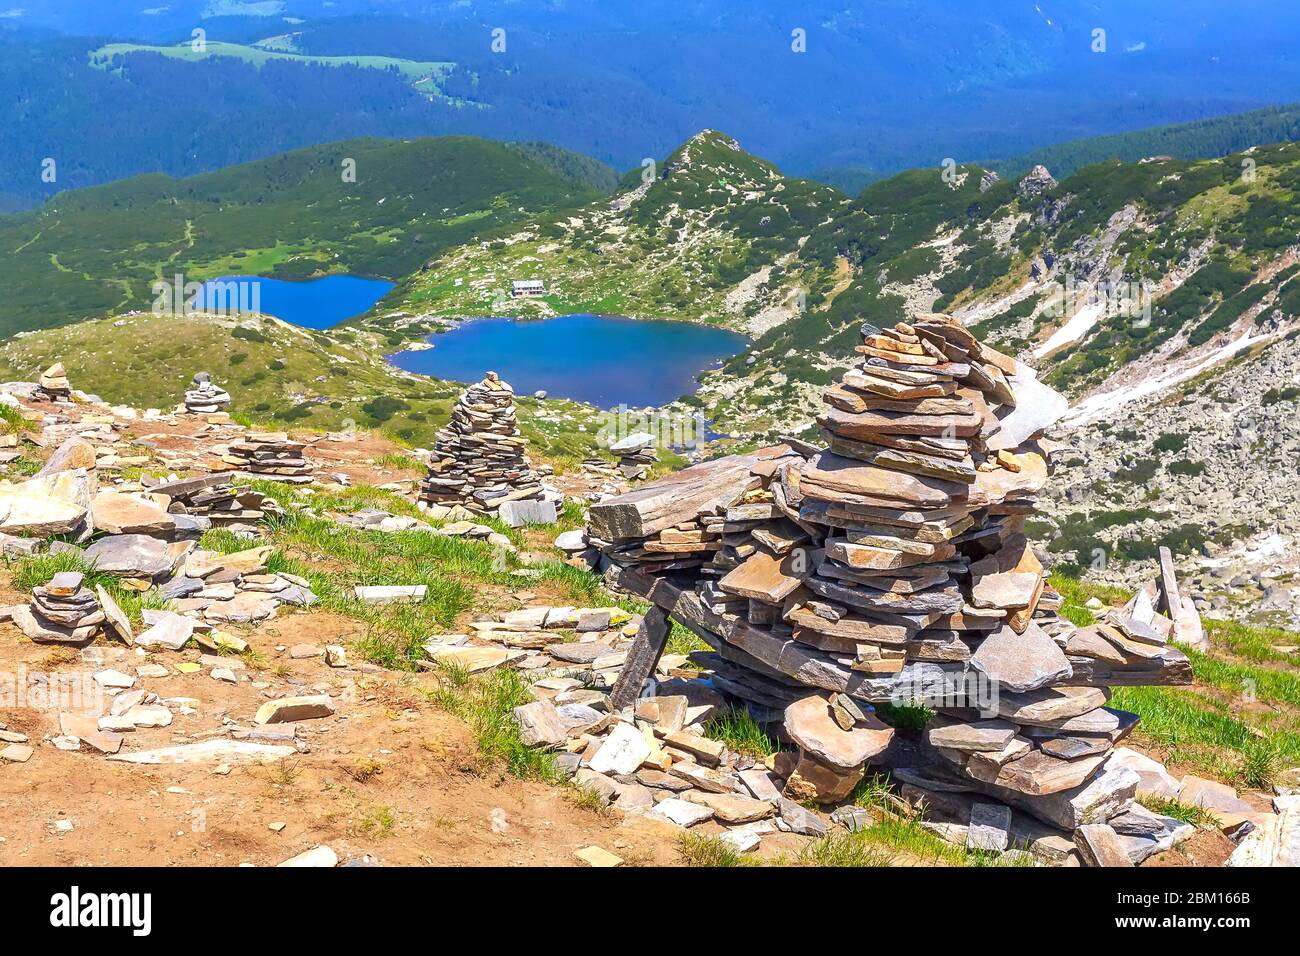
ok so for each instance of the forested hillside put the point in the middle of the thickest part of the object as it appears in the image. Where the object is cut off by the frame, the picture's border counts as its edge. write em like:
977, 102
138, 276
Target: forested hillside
96, 251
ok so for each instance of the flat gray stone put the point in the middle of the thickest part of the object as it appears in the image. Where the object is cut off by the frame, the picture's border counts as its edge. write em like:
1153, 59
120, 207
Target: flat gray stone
516, 514
1021, 662
977, 735
169, 632
132, 555
990, 827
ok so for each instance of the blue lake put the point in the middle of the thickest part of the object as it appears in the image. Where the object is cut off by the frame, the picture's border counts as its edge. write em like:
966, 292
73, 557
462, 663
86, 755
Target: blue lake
313, 303
602, 360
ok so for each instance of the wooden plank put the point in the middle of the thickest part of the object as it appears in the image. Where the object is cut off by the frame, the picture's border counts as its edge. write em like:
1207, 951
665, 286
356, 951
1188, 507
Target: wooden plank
1172, 600
642, 658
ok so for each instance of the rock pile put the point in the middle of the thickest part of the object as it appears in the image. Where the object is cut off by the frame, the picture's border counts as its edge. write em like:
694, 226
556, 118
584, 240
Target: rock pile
205, 398
63, 611
636, 454
53, 384
892, 567
216, 498
479, 459
271, 455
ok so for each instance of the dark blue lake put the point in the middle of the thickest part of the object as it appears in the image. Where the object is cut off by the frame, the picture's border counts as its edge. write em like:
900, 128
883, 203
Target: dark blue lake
602, 360
313, 303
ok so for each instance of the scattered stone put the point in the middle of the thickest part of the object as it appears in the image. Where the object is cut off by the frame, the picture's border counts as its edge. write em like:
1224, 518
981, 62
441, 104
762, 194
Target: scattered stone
318, 856
1099, 845
684, 813
598, 857
290, 709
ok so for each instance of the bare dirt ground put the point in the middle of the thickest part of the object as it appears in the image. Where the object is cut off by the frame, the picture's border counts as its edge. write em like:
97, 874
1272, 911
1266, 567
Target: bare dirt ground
390, 776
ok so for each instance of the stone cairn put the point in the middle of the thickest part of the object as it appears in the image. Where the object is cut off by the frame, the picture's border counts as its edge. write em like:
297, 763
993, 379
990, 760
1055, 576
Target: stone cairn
205, 398
892, 568
53, 384
62, 611
636, 454
216, 498
479, 459
271, 455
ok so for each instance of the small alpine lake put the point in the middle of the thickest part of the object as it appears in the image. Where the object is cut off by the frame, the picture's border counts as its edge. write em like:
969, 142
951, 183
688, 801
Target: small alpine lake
311, 303
602, 360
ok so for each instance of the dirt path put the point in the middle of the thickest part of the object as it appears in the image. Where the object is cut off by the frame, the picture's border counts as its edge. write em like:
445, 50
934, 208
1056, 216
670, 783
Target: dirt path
390, 776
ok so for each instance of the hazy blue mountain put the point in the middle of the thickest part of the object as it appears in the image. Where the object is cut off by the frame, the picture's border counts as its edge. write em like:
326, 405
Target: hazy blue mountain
881, 87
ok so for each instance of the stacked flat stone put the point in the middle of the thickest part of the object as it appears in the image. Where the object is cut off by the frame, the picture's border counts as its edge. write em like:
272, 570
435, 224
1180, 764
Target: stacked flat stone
205, 398
216, 498
892, 567
636, 455
271, 455
479, 459
53, 383
63, 611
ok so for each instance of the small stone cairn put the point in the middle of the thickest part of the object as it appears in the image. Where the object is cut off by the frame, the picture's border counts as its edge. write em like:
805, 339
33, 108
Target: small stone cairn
205, 398
479, 459
636, 454
63, 611
53, 384
271, 455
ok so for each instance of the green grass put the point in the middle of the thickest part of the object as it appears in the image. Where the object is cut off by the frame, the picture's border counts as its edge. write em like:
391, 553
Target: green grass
422, 76
696, 849
486, 703
737, 728
1200, 732
904, 716
379, 822
1254, 643
397, 462
1196, 816
12, 421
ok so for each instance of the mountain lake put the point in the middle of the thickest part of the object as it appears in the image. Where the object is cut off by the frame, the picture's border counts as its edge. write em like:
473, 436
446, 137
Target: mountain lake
312, 303
602, 360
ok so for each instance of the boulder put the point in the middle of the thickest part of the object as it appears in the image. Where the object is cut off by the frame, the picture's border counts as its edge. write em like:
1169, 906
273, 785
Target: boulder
119, 513
167, 631
1021, 662
540, 724
622, 752
47, 505
75, 453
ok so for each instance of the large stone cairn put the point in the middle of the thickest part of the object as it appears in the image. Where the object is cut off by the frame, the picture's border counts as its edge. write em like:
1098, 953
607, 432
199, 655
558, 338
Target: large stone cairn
205, 398
479, 459
53, 384
271, 455
891, 567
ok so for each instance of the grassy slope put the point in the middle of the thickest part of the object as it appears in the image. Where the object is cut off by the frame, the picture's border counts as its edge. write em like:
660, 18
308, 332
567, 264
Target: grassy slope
276, 373
1239, 722
421, 75
96, 251
672, 248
